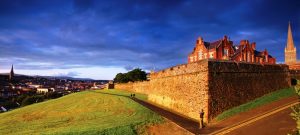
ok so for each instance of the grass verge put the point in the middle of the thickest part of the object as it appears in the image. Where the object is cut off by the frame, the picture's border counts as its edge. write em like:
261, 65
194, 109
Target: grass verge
271, 97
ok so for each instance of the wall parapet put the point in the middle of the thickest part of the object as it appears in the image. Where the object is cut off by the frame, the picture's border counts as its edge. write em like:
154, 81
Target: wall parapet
181, 69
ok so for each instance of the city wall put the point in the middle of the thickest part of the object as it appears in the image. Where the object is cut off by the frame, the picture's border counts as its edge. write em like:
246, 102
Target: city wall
232, 84
213, 86
295, 74
183, 88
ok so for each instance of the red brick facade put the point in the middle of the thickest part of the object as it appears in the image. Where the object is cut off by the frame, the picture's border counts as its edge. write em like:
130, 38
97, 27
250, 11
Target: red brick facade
224, 49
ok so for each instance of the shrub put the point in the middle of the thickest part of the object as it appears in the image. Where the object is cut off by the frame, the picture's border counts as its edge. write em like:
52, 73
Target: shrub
296, 109
32, 99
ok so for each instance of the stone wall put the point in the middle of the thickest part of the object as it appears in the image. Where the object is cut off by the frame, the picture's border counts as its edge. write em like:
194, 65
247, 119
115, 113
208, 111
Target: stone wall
124, 86
182, 88
213, 86
295, 74
232, 84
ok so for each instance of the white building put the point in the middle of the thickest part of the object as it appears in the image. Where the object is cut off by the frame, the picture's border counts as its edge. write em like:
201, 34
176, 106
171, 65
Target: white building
42, 90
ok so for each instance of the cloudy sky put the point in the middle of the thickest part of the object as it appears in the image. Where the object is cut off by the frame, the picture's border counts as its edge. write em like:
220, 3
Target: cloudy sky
99, 38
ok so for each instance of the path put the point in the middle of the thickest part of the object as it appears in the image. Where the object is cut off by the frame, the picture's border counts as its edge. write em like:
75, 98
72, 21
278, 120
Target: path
280, 123
251, 116
256, 118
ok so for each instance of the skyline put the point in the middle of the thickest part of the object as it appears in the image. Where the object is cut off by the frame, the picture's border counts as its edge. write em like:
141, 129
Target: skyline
98, 39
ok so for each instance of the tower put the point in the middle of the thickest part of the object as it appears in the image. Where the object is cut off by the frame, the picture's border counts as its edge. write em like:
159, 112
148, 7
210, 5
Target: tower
290, 49
11, 74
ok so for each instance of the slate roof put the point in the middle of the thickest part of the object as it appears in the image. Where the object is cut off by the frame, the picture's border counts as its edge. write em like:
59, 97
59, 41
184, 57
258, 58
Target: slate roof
212, 45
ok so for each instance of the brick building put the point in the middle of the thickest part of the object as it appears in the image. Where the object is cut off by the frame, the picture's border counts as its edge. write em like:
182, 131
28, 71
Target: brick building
224, 49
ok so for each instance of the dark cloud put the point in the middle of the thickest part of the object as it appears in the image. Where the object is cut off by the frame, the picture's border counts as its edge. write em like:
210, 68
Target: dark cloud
151, 35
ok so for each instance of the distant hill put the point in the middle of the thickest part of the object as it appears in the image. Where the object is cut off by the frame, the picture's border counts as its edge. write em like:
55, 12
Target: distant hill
65, 77
6, 74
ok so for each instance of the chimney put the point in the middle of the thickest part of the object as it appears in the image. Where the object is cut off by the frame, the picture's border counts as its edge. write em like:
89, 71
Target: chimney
243, 42
199, 40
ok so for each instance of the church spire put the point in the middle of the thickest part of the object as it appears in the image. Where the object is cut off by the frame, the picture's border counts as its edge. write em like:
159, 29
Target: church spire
11, 74
290, 51
290, 41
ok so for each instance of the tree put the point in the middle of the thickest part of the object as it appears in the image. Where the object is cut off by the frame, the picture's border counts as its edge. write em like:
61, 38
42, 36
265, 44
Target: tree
133, 75
296, 109
32, 99
121, 78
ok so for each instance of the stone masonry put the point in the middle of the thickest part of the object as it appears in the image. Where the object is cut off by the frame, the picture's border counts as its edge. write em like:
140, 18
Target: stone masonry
213, 86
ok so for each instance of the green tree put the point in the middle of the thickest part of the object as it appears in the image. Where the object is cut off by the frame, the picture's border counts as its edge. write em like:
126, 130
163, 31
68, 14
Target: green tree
296, 109
32, 99
133, 75
137, 75
121, 78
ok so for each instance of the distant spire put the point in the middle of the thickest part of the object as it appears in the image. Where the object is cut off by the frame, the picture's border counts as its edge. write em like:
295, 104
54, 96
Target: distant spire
11, 74
290, 41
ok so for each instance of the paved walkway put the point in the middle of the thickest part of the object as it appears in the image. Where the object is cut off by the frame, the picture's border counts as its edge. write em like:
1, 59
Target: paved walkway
230, 124
251, 116
279, 123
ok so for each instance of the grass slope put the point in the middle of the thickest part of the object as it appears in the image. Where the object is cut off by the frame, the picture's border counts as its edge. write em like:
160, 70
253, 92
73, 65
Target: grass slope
89, 112
271, 97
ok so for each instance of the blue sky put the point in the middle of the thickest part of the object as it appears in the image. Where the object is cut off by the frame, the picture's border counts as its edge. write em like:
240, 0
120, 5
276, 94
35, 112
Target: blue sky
97, 39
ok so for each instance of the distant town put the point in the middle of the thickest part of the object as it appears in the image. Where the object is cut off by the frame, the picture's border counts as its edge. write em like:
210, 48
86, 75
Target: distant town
21, 90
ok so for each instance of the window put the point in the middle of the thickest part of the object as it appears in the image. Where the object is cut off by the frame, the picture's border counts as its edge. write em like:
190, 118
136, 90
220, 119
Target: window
211, 55
200, 55
205, 55
191, 59
225, 52
248, 57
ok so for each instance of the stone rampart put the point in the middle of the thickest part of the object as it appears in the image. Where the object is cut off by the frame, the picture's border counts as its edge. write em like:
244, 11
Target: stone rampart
213, 86
182, 88
295, 74
232, 84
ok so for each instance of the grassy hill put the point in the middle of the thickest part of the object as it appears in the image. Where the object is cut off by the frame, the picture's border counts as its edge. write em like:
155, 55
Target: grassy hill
89, 112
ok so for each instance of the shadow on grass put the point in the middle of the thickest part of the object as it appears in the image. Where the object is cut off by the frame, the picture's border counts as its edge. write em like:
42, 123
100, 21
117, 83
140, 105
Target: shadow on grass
121, 95
183, 122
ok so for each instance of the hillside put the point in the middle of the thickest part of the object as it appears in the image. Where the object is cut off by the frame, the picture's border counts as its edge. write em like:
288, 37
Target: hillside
89, 112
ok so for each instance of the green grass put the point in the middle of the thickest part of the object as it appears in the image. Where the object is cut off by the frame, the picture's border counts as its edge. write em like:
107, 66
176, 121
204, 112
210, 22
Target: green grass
271, 97
89, 112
